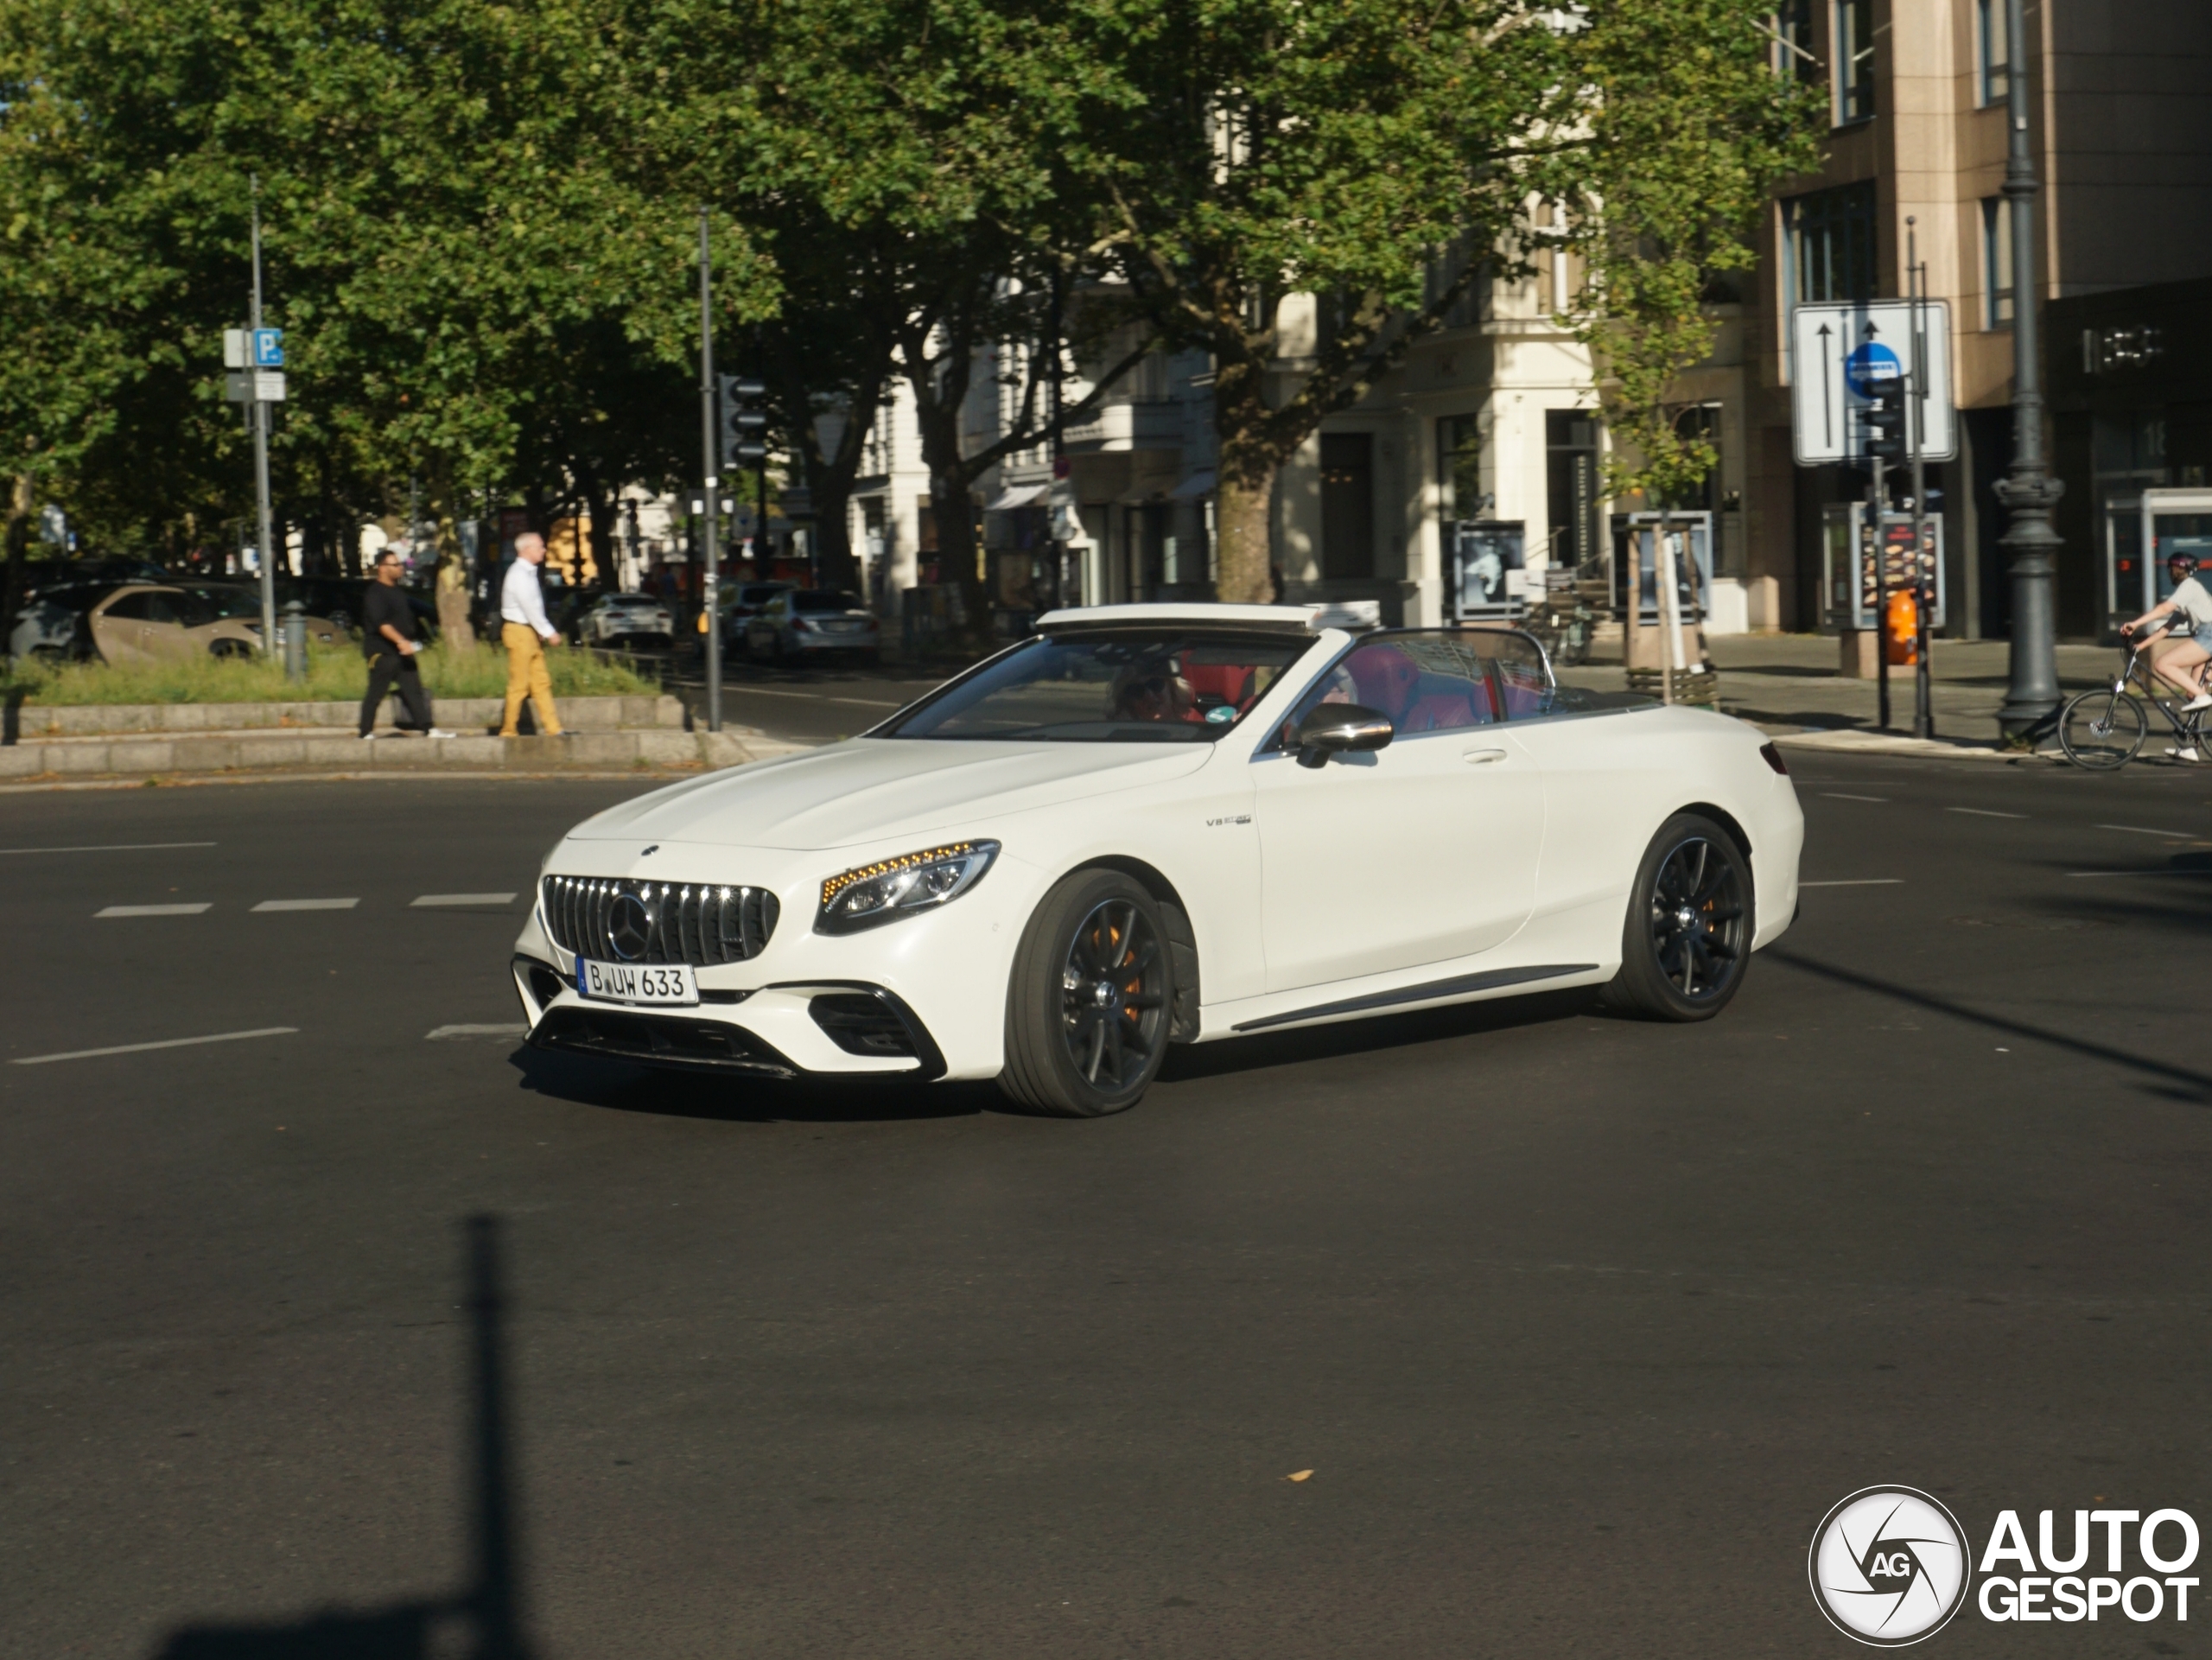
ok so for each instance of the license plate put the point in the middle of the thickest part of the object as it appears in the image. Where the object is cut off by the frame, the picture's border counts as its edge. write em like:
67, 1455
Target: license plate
636, 982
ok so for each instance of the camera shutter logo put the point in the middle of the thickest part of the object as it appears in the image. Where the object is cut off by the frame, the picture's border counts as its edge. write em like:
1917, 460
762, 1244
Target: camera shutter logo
1889, 1566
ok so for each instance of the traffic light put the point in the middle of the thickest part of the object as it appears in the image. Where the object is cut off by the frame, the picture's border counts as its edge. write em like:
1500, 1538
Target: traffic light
1885, 418
745, 424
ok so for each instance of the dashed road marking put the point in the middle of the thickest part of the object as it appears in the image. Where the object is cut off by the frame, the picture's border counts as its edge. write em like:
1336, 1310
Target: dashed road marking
155, 910
433, 901
167, 1043
307, 905
1837, 795
114, 847
503, 1029
1860, 882
2144, 829
1985, 812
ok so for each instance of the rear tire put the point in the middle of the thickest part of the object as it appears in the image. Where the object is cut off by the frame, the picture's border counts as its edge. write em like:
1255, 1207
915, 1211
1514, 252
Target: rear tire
1090, 999
2101, 730
224, 651
1687, 941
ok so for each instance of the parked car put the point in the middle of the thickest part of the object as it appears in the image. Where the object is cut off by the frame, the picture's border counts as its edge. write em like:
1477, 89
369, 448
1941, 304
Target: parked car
339, 600
626, 620
135, 623
741, 602
813, 621
1149, 824
52, 627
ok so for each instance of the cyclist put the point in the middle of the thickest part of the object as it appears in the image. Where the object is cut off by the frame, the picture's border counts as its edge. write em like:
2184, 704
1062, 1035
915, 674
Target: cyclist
2181, 657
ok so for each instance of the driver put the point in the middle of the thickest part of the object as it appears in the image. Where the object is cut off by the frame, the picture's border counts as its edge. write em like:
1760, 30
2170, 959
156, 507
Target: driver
1154, 692
2181, 657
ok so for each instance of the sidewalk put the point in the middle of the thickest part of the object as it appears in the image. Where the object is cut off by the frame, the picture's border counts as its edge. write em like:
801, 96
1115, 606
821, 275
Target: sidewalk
1788, 685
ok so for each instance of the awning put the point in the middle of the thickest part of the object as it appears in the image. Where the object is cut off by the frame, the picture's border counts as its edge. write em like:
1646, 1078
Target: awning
1019, 496
1200, 483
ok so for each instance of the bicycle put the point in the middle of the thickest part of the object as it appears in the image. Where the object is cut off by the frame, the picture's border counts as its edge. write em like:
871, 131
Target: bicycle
2102, 730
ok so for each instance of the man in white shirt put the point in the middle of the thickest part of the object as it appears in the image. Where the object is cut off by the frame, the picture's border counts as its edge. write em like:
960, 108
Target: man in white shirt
525, 632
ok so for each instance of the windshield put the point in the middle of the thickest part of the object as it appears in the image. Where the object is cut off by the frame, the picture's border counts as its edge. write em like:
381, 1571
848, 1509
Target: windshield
814, 600
1135, 686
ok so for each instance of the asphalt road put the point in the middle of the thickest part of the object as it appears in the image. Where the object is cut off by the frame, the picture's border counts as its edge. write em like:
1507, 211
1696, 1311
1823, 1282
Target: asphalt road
1580, 1325
808, 703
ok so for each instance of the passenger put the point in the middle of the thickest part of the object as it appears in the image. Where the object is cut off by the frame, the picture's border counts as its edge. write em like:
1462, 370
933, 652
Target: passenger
1154, 692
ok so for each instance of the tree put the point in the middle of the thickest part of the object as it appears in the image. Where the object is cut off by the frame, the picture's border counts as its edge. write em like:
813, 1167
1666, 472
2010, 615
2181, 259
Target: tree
1382, 155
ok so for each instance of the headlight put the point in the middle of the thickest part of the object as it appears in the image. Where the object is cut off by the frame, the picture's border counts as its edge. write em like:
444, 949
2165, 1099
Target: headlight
891, 888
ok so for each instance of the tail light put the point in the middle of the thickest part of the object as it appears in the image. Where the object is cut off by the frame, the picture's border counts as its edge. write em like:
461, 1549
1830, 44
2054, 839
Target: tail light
1773, 757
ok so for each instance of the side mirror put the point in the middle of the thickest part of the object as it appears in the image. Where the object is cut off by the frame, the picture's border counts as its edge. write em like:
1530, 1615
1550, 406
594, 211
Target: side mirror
1334, 728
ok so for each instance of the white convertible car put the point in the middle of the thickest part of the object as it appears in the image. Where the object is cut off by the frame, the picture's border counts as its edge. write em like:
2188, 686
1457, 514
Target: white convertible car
1151, 824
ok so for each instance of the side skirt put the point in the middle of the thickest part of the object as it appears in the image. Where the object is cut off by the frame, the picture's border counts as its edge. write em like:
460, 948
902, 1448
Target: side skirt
1459, 985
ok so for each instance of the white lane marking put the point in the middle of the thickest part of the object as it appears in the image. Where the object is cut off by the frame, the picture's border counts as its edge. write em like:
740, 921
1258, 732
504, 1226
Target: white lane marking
113, 847
168, 1043
1837, 795
1860, 882
2140, 873
505, 1030
771, 692
307, 905
154, 910
2139, 829
1984, 812
436, 899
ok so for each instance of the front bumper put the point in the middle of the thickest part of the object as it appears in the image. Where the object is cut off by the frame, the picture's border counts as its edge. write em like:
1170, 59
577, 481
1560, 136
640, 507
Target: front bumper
921, 997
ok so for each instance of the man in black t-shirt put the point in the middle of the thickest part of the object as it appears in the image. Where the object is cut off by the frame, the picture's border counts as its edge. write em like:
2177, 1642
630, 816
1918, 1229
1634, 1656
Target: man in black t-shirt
390, 639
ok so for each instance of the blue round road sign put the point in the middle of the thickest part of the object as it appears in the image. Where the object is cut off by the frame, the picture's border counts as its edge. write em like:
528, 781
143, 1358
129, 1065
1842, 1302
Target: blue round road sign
1869, 366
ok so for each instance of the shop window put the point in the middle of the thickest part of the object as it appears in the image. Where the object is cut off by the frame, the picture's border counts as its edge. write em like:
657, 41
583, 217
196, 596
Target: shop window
1571, 478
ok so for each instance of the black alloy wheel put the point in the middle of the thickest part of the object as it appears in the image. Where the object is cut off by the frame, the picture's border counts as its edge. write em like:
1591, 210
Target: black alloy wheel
1688, 939
1089, 1006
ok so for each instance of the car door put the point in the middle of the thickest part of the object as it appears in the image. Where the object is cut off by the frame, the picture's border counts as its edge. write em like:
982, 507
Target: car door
119, 625
1421, 852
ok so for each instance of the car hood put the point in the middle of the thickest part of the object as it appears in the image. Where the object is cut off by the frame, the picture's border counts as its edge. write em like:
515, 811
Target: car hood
867, 789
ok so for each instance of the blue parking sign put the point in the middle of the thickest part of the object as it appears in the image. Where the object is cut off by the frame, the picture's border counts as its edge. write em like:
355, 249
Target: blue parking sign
268, 349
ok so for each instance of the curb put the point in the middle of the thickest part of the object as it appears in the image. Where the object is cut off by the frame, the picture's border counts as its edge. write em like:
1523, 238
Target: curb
1852, 741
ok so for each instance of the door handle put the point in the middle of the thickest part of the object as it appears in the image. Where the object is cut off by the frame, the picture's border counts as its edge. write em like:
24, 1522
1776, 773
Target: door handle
1482, 757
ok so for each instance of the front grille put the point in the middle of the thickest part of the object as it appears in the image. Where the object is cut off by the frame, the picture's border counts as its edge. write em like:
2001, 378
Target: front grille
700, 923
660, 1040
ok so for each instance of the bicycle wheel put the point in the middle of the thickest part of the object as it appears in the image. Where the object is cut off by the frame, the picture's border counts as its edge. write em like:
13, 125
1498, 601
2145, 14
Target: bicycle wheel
2101, 730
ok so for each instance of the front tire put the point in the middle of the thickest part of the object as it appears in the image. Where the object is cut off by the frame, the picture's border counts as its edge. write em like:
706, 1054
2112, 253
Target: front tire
1089, 1004
1688, 939
2102, 730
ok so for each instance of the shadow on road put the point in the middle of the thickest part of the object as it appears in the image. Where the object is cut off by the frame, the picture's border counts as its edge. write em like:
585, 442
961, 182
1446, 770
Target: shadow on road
591, 1082
1361, 1037
2177, 1082
484, 1621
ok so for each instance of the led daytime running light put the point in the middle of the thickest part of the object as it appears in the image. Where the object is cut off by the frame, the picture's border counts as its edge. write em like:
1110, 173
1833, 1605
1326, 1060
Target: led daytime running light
833, 886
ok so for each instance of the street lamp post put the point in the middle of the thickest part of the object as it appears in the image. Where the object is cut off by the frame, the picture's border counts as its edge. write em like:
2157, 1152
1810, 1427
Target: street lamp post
2028, 492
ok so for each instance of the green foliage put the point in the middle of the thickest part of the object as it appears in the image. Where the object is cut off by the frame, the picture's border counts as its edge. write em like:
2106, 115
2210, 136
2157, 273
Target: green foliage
1687, 129
334, 674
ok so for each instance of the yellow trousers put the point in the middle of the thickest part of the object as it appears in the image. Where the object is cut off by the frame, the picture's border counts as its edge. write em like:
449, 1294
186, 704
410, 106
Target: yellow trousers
526, 678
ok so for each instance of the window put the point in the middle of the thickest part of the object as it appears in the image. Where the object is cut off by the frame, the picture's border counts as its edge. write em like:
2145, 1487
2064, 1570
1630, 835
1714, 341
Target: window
1459, 463
1993, 50
131, 607
1347, 505
1794, 57
1854, 60
1831, 245
1126, 685
1997, 262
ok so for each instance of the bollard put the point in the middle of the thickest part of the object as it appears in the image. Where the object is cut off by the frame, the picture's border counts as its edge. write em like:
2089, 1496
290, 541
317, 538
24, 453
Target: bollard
294, 629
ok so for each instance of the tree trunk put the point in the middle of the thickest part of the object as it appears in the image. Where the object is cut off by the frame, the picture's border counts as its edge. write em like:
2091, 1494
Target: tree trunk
20, 502
452, 569
958, 551
1244, 503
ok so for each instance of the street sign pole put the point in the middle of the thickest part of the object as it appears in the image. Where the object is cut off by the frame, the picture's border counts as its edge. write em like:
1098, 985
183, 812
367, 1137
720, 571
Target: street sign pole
259, 410
1924, 717
1877, 499
708, 586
